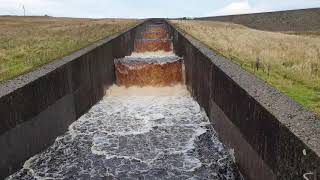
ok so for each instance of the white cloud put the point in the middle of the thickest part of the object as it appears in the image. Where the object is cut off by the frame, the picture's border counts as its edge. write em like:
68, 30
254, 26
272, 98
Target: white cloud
73, 8
239, 7
146, 8
33, 7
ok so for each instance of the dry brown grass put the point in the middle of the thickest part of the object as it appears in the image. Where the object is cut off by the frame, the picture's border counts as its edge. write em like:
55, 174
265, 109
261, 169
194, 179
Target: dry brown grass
28, 42
289, 62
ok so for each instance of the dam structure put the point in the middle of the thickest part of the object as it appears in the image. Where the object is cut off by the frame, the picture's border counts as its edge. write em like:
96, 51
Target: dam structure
152, 102
147, 126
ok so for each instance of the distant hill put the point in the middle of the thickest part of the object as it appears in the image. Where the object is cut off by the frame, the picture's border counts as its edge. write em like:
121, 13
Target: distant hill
292, 20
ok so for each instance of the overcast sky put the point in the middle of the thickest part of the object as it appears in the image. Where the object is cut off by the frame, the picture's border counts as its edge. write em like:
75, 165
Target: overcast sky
147, 8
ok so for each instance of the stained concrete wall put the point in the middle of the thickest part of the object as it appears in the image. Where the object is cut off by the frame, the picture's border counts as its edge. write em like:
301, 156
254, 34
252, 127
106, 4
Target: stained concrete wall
293, 20
37, 107
272, 136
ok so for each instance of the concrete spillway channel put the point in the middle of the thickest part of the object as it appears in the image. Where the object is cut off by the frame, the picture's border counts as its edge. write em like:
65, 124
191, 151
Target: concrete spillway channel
152, 102
146, 127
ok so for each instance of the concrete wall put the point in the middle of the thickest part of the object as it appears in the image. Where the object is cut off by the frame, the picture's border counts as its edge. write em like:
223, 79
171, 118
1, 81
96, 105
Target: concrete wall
273, 137
37, 107
294, 20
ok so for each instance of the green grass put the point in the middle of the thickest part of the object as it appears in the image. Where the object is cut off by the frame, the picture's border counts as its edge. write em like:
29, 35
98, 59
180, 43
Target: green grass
306, 95
29, 42
289, 62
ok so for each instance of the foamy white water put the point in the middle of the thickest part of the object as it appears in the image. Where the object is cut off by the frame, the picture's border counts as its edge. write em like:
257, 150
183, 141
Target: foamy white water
154, 54
126, 135
158, 57
176, 90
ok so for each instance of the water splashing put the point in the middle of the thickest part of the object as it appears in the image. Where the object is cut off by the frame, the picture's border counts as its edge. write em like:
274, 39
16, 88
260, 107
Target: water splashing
129, 136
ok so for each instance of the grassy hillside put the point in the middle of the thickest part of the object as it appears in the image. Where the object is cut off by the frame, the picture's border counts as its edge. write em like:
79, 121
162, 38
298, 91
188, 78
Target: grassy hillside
28, 42
290, 63
303, 20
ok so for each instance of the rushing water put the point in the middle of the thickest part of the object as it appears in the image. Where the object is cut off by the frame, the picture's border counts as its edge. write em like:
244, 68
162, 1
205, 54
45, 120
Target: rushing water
158, 57
136, 137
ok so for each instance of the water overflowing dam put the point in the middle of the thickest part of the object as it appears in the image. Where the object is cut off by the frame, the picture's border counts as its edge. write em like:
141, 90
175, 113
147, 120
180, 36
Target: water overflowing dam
139, 131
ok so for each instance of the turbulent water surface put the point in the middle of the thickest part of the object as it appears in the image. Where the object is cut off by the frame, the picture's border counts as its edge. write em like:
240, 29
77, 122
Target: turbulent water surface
136, 137
158, 57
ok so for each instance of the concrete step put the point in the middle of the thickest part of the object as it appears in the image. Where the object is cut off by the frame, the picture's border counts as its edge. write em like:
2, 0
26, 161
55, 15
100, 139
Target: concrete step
149, 71
147, 45
154, 35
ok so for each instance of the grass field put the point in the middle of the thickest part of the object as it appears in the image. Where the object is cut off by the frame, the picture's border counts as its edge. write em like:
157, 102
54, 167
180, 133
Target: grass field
288, 62
28, 42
